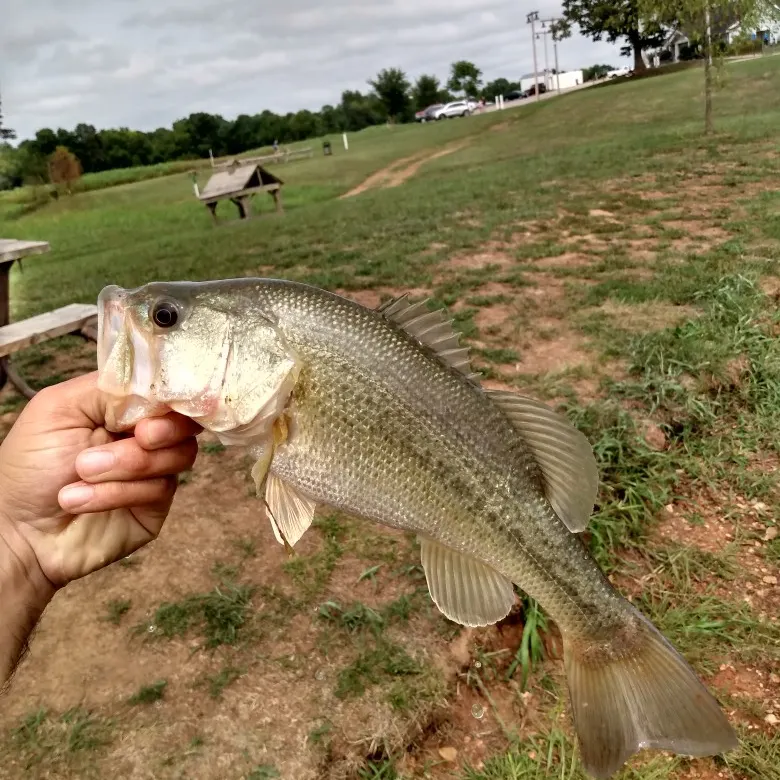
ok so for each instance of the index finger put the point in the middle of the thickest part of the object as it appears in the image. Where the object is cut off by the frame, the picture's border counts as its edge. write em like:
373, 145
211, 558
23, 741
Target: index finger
159, 432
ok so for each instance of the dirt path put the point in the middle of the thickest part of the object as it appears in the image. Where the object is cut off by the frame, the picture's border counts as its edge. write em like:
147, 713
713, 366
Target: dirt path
399, 171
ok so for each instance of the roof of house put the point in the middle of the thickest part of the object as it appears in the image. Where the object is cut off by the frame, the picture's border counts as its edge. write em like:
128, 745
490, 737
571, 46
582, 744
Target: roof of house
237, 178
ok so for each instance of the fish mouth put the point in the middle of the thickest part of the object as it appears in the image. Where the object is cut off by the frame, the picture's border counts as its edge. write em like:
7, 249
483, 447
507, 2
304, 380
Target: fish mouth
125, 364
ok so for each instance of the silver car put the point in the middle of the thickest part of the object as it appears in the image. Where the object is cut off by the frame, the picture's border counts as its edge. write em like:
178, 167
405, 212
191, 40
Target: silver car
456, 108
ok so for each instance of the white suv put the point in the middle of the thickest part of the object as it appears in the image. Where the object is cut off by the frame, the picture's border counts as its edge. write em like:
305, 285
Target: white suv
456, 108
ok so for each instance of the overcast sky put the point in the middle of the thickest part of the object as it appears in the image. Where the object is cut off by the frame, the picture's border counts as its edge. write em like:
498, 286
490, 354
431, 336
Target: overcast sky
145, 63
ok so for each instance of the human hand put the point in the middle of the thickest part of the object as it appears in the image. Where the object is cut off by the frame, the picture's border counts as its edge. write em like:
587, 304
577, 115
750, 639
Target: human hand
74, 497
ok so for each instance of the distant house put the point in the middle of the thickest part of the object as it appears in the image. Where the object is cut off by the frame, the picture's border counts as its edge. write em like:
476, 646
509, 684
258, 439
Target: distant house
727, 29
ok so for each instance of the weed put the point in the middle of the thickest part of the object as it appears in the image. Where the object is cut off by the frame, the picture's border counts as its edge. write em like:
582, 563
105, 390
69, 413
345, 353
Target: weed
354, 617
318, 734
116, 609
223, 678
84, 732
148, 694
531, 650
263, 772
378, 769
219, 614
372, 666
247, 547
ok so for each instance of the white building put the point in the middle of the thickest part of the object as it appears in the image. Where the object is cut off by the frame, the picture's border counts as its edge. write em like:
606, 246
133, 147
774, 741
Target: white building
551, 80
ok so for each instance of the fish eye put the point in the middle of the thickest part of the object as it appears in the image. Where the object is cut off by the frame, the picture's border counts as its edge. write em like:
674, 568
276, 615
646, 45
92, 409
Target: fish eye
165, 314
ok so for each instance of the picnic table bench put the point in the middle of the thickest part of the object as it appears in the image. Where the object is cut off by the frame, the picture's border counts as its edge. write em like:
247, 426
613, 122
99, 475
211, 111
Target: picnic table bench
74, 318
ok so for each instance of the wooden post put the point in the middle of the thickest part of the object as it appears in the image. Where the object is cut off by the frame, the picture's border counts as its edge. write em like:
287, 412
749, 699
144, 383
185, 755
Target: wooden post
5, 270
277, 196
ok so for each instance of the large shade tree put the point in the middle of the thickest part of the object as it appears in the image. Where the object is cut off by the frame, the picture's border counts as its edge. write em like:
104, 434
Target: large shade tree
615, 20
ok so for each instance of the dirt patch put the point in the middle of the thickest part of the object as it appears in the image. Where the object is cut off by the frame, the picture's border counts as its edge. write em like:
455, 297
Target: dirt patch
379, 178
399, 176
566, 260
399, 171
558, 350
647, 316
481, 259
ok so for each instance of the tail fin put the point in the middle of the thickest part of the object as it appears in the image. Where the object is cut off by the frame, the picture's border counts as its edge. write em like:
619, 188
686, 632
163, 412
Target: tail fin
629, 695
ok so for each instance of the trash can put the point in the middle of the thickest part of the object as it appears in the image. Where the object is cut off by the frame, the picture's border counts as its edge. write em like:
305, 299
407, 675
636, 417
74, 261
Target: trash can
326, 150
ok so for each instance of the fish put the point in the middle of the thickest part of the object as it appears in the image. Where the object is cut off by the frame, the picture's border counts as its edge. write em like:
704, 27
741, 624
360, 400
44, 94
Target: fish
378, 413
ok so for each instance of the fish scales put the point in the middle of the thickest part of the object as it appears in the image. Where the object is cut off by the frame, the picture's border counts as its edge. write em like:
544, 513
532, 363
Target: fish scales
414, 460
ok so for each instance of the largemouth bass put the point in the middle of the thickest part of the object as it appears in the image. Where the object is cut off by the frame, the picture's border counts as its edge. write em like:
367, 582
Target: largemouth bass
377, 413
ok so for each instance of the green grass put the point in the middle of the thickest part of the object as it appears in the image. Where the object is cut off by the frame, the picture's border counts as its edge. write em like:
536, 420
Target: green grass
220, 616
218, 682
116, 610
149, 694
385, 661
43, 738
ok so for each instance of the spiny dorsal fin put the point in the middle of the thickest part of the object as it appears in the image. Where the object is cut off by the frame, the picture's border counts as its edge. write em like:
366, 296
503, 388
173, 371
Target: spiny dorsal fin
564, 455
430, 328
463, 588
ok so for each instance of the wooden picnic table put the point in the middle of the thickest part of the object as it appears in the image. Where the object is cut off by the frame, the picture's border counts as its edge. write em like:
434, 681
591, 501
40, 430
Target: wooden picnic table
11, 251
51, 324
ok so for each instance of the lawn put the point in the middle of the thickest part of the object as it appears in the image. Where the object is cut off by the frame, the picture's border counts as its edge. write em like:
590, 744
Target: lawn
597, 252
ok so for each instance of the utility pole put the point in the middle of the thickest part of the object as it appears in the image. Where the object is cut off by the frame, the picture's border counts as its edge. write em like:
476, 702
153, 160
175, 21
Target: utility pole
552, 31
545, 33
532, 19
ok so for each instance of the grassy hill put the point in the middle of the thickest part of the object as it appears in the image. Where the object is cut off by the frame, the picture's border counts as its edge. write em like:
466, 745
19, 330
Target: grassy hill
598, 252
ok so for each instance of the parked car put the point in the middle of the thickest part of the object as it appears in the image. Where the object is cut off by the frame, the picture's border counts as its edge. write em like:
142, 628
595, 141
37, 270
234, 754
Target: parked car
515, 94
456, 108
426, 115
532, 90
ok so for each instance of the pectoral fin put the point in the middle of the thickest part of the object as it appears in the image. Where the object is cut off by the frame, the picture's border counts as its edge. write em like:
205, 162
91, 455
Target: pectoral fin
564, 455
291, 512
463, 588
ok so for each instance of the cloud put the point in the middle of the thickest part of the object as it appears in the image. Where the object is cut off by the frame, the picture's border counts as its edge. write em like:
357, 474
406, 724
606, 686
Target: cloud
145, 63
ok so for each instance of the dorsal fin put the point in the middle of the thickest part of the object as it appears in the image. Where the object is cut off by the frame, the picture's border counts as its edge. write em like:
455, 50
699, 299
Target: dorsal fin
571, 476
430, 328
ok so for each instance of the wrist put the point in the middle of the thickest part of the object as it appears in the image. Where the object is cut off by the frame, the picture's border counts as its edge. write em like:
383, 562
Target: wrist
25, 592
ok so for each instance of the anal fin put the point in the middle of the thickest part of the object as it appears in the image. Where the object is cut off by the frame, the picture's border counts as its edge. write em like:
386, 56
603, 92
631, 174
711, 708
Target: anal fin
463, 588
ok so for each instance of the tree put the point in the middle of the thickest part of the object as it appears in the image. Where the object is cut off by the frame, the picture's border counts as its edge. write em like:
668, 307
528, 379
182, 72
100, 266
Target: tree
465, 77
613, 20
705, 22
425, 92
392, 88
595, 72
500, 86
6, 134
64, 168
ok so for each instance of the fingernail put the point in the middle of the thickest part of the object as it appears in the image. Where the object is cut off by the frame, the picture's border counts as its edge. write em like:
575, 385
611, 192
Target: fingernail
94, 462
159, 430
73, 498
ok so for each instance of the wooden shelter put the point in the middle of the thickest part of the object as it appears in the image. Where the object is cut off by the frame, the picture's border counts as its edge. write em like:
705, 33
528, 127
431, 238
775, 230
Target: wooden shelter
238, 183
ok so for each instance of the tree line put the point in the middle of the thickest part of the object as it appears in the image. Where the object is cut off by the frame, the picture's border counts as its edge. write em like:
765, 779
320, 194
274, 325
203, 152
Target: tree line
392, 98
